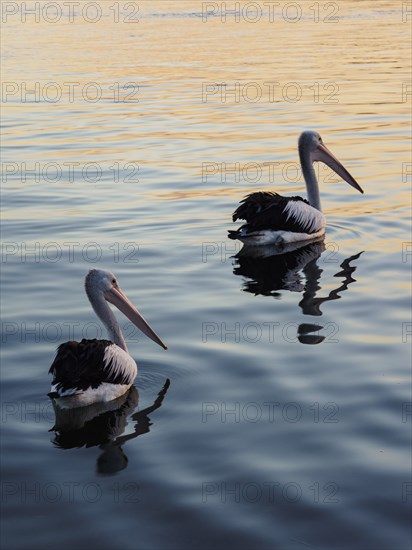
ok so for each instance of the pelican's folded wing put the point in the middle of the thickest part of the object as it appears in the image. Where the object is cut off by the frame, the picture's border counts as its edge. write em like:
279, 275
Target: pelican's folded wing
264, 210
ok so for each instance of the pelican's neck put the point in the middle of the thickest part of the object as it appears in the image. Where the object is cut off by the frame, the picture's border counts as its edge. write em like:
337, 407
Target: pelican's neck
312, 187
107, 317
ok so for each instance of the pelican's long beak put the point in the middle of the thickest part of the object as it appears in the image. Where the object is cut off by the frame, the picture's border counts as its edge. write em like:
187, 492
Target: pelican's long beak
323, 154
119, 299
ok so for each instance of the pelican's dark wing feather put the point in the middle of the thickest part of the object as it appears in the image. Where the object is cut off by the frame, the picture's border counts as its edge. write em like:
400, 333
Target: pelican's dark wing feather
82, 365
264, 210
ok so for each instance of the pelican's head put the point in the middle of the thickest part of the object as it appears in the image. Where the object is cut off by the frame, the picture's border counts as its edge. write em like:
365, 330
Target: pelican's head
311, 146
100, 283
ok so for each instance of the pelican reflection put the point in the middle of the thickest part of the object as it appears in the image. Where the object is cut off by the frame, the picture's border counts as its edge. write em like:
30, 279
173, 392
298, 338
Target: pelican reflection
272, 269
102, 424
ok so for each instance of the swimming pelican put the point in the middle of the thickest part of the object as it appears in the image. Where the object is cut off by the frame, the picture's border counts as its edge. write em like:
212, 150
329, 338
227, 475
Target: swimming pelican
273, 219
98, 370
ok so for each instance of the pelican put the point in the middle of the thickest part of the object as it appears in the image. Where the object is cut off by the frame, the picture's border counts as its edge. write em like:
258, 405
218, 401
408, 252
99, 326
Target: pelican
273, 219
93, 371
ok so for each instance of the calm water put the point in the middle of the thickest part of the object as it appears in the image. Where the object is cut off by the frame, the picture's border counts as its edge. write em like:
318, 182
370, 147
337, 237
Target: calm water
286, 420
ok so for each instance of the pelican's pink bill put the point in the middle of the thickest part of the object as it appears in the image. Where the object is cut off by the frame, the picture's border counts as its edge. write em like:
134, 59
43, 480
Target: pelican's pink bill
323, 154
116, 297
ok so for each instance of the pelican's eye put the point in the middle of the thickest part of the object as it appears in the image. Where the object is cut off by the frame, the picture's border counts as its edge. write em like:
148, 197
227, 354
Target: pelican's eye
114, 282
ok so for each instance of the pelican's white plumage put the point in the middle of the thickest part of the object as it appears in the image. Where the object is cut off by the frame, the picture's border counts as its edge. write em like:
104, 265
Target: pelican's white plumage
273, 219
98, 370
308, 218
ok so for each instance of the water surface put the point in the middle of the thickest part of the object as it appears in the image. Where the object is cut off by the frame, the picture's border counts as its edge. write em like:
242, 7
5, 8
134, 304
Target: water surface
286, 419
